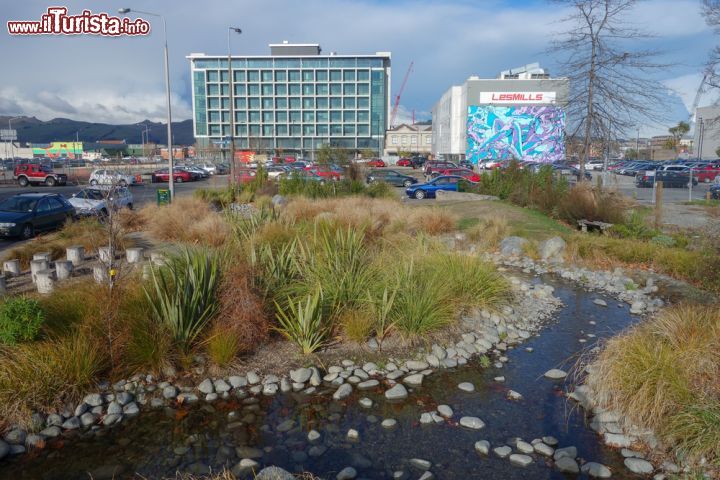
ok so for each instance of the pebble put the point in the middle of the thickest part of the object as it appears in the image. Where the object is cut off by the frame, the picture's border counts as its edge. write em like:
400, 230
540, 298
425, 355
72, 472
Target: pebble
638, 465
570, 452
596, 470
368, 384
445, 411
552, 441
499, 379
503, 451
601, 302
420, 464
313, 436
567, 465
169, 392
543, 449
482, 447
343, 391
238, 381
365, 402
520, 460
466, 387
389, 423
416, 365
253, 378
414, 380
353, 435
347, 473
206, 386
397, 392
301, 375
473, 423
555, 374
524, 447
513, 395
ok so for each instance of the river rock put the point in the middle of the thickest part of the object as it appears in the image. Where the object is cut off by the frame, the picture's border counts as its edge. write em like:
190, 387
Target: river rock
285, 426
416, 365
567, 465
445, 411
114, 408
253, 378
237, 381
343, 391
596, 470
94, 399
50, 432
301, 375
570, 452
317, 451
552, 441
388, 423
221, 386
4, 449
245, 467
618, 440
71, 423
206, 386
248, 452
503, 451
347, 473
482, 447
353, 435
368, 384
111, 419
600, 301
472, 423
543, 449
638, 465
512, 246
552, 249
420, 464
414, 380
466, 387
555, 374
313, 436
169, 392
520, 460
54, 420
524, 447
87, 419
270, 389
397, 392
16, 436
513, 395
274, 473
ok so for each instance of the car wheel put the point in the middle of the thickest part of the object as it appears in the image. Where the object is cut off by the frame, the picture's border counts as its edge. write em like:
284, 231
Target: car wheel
419, 194
178, 180
50, 181
93, 182
23, 182
407, 183
27, 231
130, 206
122, 183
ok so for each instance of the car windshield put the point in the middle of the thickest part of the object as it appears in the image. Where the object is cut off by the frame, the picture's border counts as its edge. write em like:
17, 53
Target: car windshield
90, 194
18, 204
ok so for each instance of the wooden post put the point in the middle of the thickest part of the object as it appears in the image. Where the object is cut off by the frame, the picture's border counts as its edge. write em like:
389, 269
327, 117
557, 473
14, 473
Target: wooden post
658, 204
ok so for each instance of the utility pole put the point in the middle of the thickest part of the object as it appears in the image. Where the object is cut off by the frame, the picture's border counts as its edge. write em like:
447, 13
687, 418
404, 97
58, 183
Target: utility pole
232, 106
637, 145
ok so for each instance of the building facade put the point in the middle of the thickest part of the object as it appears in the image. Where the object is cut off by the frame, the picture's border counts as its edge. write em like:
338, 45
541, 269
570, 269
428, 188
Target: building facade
518, 115
293, 100
413, 139
706, 140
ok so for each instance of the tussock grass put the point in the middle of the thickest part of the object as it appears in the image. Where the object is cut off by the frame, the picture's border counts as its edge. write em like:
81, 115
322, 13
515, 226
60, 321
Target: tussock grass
489, 231
663, 374
357, 325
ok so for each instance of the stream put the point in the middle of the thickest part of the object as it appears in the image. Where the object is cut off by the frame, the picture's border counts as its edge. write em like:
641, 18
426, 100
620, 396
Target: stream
157, 443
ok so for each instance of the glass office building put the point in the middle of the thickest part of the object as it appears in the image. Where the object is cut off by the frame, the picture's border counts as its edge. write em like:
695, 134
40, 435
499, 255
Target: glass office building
293, 100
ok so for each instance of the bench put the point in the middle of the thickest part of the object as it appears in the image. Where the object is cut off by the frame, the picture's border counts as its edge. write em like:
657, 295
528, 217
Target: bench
586, 225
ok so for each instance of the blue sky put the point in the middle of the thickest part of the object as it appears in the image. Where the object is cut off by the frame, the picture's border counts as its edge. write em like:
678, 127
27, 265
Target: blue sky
120, 80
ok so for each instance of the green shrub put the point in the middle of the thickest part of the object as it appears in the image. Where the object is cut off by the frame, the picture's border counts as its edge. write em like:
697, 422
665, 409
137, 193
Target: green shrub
380, 190
303, 323
183, 294
20, 320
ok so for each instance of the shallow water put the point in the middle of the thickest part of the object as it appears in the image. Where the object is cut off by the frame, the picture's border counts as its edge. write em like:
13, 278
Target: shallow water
152, 445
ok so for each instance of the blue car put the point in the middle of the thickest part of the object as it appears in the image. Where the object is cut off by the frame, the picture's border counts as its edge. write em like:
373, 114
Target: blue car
427, 190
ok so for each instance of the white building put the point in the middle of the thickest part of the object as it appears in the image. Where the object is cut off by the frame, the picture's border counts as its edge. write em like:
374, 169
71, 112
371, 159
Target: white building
409, 138
706, 140
498, 102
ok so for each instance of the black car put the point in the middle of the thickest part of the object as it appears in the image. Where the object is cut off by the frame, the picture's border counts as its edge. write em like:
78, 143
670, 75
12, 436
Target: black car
392, 177
28, 213
670, 178
715, 191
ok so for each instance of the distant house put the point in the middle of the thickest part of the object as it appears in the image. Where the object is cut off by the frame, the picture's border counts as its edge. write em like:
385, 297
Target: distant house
415, 138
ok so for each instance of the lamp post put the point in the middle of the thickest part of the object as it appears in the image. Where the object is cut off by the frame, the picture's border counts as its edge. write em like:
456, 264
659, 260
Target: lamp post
637, 145
171, 163
10, 141
232, 106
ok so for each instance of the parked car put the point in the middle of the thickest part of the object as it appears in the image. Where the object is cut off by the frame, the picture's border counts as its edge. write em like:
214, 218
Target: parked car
435, 165
715, 191
180, 175
670, 178
222, 169
467, 164
197, 172
36, 173
428, 190
245, 175
299, 165
490, 164
418, 162
95, 201
308, 175
331, 172
26, 214
706, 173
593, 164
208, 167
404, 162
376, 163
111, 177
275, 172
392, 177
462, 172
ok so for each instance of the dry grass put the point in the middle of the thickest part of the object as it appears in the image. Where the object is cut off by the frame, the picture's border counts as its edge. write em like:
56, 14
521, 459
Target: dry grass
584, 201
663, 374
357, 325
187, 220
489, 232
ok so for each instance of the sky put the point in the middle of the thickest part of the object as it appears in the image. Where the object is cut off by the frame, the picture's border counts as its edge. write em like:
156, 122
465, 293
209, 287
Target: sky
120, 80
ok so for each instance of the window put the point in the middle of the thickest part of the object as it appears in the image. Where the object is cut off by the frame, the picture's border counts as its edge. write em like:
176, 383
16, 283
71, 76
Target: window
213, 89
394, 139
267, 75
281, 130
281, 76
335, 89
214, 103
254, 116
254, 130
214, 130
308, 117
322, 116
294, 89
413, 140
307, 76
308, 89
294, 75
349, 103
281, 117
335, 103
253, 89
363, 102
258, 63
349, 89
308, 130
404, 140
363, 75
268, 117
267, 89
336, 129
363, 130
428, 140
321, 102
212, 76
363, 89
321, 89
363, 116
281, 103
286, 63
267, 130
294, 117
295, 130
254, 103
280, 89
240, 103
295, 103
225, 89
349, 75
335, 117
240, 116
349, 130
43, 206
213, 116
348, 117
308, 103
239, 76
321, 75
240, 90
322, 129
253, 76
335, 75
224, 76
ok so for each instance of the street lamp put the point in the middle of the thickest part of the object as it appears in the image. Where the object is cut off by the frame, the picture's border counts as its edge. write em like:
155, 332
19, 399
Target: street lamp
10, 128
232, 106
171, 164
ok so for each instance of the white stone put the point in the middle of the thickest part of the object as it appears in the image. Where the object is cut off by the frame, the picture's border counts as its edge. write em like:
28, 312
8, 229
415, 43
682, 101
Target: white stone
503, 451
520, 460
445, 411
555, 374
473, 423
482, 447
397, 392
638, 465
466, 387
596, 470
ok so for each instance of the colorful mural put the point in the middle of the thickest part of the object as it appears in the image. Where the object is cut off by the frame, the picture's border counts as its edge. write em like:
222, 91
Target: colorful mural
535, 133
60, 149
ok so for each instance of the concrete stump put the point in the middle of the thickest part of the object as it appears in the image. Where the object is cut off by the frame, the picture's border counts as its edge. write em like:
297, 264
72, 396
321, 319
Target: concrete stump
157, 258
100, 273
63, 269
75, 254
147, 271
37, 266
12, 267
134, 255
44, 281
42, 256
3, 285
105, 255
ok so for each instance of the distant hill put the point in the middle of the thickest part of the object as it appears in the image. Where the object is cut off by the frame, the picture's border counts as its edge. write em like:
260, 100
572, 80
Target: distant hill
30, 129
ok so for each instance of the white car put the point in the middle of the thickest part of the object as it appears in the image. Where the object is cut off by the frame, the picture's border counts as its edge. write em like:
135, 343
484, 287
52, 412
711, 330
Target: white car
275, 172
208, 167
111, 177
94, 201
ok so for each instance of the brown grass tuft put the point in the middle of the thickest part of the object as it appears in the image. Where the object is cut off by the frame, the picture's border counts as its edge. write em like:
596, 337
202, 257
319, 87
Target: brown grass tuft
188, 220
489, 232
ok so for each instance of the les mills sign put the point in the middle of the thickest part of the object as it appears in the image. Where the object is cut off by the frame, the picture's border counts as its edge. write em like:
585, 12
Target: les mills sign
517, 97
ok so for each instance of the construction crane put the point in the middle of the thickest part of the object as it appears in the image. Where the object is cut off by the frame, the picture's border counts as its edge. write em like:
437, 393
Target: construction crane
397, 97
701, 89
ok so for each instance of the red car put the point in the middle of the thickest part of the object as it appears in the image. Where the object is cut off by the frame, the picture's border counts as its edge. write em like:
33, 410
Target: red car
331, 172
706, 173
404, 162
27, 173
245, 175
462, 172
180, 175
376, 162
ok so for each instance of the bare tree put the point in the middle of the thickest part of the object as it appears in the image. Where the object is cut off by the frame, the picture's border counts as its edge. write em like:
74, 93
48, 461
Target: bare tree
711, 12
611, 84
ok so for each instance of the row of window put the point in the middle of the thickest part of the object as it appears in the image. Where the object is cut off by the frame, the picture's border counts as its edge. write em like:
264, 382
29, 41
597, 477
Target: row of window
292, 103
319, 130
290, 63
291, 117
268, 76
412, 140
254, 89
